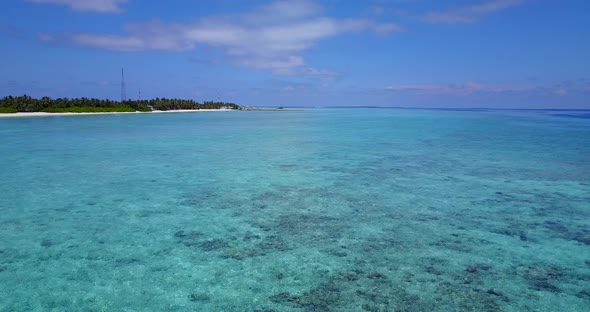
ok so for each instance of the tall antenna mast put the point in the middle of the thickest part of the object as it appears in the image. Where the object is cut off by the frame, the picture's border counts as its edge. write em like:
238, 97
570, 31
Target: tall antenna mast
123, 91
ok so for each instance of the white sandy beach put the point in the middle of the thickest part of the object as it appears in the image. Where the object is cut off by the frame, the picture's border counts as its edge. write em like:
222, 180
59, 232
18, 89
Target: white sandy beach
44, 114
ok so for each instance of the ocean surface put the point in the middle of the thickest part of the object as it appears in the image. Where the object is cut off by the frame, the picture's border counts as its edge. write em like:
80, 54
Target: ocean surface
318, 210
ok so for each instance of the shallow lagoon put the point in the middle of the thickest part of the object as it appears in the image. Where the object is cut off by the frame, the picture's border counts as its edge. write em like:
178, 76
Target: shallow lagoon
321, 210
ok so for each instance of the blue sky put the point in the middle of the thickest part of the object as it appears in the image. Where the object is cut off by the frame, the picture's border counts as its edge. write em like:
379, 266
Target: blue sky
411, 53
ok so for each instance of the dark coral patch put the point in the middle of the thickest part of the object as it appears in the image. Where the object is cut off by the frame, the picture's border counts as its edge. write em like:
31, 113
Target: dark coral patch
213, 244
322, 298
188, 234
199, 297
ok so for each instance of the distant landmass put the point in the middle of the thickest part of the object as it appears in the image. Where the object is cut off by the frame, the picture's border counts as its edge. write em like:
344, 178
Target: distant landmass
15, 104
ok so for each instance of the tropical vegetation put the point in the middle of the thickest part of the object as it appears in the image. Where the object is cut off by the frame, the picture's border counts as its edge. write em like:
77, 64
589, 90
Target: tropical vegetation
7, 110
12, 104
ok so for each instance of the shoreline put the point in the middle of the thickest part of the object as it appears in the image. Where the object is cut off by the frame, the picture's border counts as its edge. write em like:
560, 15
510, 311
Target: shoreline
45, 114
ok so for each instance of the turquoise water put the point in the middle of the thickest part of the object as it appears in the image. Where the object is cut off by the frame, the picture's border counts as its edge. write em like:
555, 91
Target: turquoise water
320, 210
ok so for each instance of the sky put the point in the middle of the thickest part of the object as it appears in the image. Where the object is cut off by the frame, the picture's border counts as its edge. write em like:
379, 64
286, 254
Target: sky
399, 53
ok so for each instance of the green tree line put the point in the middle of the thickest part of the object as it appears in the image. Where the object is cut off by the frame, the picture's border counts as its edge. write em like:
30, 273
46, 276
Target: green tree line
13, 104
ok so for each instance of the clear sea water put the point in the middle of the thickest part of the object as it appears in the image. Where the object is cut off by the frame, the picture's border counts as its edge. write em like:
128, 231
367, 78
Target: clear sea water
320, 210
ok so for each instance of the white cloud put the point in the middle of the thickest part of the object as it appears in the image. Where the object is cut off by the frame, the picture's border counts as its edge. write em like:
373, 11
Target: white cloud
45, 37
385, 29
289, 10
110, 42
273, 37
471, 13
101, 6
459, 89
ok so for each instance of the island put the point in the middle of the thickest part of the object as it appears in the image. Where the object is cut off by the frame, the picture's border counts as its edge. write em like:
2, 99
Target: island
27, 104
